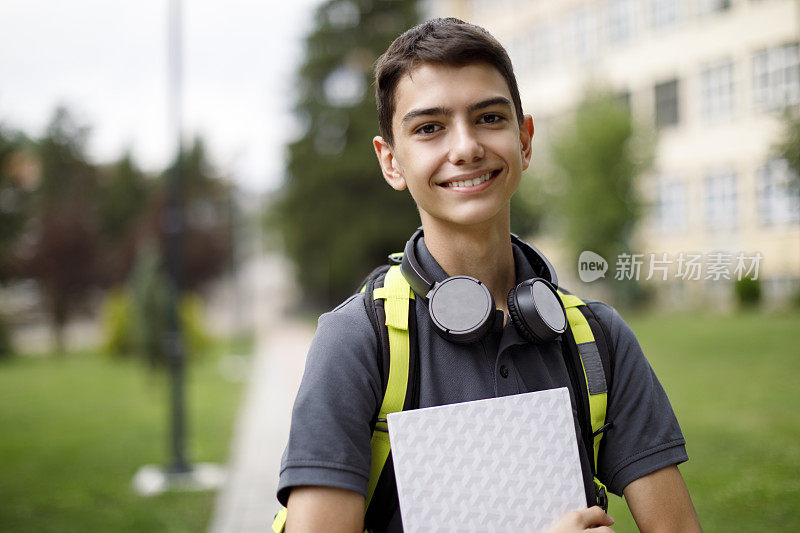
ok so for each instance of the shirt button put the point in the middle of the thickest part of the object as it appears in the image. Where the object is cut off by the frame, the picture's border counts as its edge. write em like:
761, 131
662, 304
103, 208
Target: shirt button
504, 371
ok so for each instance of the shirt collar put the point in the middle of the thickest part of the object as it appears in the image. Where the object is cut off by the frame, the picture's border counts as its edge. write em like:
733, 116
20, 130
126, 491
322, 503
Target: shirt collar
522, 268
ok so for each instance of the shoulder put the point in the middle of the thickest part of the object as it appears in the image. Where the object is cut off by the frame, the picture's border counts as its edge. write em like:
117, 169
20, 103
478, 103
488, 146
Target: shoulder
348, 322
345, 347
339, 395
619, 332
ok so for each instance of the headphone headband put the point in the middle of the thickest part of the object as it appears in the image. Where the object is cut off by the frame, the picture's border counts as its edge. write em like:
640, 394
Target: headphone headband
541, 266
422, 285
413, 272
462, 309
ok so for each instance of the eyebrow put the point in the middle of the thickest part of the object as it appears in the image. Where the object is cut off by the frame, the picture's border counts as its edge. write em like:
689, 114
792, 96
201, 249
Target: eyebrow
430, 111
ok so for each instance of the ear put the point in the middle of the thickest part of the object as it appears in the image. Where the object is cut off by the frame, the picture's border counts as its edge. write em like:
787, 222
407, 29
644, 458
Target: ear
526, 140
389, 164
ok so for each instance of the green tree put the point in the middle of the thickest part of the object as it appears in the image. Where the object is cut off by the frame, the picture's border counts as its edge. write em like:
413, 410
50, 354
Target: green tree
789, 146
207, 220
66, 172
596, 161
122, 197
337, 217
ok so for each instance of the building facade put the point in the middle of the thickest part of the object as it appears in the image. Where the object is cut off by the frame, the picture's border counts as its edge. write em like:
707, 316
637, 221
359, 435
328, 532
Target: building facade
712, 78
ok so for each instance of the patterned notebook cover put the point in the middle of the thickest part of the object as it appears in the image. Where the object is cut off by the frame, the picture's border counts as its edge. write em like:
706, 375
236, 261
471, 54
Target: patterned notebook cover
502, 464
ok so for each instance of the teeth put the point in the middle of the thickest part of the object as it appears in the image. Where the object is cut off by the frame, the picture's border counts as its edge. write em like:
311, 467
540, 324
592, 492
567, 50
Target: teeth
470, 183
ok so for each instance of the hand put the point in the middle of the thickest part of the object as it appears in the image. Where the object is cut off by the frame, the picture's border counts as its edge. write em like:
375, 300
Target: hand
591, 519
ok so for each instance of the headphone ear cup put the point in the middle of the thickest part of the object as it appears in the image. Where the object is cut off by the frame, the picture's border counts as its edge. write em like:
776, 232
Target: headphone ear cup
516, 317
536, 311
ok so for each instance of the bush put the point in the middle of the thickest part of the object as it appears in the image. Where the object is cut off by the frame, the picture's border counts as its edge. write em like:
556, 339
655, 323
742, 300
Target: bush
748, 291
117, 336
6, 348
195, 338
136, 318
124, 335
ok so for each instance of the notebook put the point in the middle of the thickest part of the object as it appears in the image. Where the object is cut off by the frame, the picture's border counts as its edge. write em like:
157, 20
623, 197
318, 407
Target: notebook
502, 464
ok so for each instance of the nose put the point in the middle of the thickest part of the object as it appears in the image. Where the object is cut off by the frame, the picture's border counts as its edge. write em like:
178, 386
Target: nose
465, 147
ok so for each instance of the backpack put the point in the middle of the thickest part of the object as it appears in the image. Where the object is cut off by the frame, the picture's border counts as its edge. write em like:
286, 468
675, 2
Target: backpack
387, 300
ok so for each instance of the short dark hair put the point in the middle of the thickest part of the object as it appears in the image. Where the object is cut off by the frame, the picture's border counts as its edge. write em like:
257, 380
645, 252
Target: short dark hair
445, 41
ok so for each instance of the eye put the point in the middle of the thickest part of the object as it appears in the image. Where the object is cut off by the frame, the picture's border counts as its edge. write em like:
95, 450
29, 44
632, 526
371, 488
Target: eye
428, 129
490, 118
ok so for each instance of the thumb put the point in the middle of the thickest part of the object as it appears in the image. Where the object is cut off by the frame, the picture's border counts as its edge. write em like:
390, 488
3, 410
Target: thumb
595, 516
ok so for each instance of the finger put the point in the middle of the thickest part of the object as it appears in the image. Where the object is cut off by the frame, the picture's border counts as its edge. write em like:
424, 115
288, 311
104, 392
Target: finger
595, 516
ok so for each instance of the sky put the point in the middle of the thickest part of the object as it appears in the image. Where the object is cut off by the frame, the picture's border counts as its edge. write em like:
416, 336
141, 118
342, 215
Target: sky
107, 61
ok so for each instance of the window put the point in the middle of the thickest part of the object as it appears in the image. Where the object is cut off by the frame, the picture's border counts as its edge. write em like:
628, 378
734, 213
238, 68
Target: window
533, 49
671, 205
624, 98
479, 6
776, 78
521, 50
720, 199
777, 194
620, 20
716, 96
582, 34
667, 103
543, 46
713, 6
663, 13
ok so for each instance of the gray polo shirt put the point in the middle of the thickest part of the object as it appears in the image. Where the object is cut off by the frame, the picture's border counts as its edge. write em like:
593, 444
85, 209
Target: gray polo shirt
329, 440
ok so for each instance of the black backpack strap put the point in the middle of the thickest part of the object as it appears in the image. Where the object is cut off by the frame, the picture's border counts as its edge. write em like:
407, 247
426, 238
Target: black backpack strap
603, 340
377, 318
574, 369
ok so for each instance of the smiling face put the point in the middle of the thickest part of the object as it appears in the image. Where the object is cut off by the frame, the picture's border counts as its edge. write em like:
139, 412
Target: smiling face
458, 145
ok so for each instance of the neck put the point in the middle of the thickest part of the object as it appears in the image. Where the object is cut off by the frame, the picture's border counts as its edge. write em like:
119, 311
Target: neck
483, 252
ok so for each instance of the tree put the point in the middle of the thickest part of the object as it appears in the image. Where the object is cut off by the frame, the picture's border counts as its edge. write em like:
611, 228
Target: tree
789, 146
13, 200
12, 219
123, 195
596, 162
207, 230
63, 240
337, 217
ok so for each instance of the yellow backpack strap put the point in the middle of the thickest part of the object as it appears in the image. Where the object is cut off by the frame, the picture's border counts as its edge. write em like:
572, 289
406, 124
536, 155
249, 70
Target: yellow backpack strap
397, 295
593, 374
279, 524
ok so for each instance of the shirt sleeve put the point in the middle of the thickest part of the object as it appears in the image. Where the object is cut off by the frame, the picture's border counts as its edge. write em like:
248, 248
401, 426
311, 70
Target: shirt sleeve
329, 438
645, 435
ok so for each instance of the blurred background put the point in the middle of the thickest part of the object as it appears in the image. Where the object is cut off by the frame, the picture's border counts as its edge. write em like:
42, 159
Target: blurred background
184, 188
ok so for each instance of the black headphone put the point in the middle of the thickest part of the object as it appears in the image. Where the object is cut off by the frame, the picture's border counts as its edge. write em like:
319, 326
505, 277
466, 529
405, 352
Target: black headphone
462, 308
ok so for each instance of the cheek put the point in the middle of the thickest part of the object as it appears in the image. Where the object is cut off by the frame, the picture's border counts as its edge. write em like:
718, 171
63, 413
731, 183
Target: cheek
419, 165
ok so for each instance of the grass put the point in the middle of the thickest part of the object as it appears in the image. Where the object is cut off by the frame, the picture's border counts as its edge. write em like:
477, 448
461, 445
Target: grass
732, 381
74, 431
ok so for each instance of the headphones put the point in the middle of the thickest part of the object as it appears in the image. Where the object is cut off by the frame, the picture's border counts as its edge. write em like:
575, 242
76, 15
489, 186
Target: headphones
462, 308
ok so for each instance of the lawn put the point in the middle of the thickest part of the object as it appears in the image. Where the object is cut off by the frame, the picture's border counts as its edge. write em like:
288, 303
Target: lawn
733, 382
74, 431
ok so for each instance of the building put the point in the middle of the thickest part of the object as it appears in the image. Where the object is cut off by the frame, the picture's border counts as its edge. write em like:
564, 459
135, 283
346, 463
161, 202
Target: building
713, 78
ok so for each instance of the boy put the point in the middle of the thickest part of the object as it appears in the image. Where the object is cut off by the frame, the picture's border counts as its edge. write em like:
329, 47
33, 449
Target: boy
453, 133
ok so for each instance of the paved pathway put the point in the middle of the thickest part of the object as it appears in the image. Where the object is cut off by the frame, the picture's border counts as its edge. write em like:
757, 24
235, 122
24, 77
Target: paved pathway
247, 502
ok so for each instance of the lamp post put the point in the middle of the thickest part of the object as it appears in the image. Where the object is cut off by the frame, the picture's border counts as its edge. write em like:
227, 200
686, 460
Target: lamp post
173, 228
180, 474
